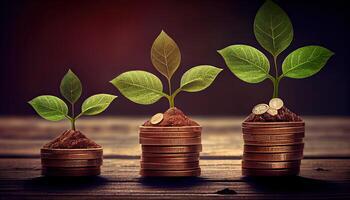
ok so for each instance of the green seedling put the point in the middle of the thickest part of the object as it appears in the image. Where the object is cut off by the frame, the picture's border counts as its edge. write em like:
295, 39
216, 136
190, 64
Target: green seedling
274, 32
55, 109
145, 88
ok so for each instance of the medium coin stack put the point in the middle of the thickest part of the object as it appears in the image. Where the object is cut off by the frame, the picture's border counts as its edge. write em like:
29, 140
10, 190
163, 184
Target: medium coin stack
272, 148
71, 162
170, 151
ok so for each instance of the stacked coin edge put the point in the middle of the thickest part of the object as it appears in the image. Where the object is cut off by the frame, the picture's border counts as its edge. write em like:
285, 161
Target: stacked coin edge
170, 151
272, 148
71, 162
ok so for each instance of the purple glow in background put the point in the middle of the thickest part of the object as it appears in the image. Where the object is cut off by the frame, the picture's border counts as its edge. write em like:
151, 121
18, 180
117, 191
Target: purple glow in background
40, 40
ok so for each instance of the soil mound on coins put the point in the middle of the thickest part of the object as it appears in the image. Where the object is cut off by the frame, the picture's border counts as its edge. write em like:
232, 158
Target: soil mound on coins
284, 115
71, 139
174, 117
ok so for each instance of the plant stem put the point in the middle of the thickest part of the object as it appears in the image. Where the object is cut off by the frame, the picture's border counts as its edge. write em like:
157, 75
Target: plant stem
171, 99
72, 119
275, 87
276, 80
72, 124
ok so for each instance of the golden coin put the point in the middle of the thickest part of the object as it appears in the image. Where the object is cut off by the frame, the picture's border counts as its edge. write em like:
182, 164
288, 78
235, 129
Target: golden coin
276, 103
170, 160
272, 137
272, 172
272, 124
171, 129
67, 151
169, 155
270, 165
71, 153
273, 156
75, 171
169, 134
72, 156
174, 141
157, 118
274, 131
274, 143
172, 166
178, 173
260, 109
172, 149
272, 111
274, 149
70, 163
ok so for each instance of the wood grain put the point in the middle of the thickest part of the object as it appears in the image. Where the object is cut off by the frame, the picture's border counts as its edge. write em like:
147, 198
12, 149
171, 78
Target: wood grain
120, 178
325, 171
221, 136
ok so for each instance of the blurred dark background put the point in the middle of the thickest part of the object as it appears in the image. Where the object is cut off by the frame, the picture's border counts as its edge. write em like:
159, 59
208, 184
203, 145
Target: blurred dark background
40, 40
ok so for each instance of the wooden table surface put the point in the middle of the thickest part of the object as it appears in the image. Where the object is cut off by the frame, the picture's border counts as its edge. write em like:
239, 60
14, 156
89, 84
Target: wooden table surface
325, 169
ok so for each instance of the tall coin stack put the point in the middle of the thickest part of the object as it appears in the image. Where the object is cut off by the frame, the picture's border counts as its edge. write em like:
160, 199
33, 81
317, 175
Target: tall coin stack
71, 162
272, 148
170, 151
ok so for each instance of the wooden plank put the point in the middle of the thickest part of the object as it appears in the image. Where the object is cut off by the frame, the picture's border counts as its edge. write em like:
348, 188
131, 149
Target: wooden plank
320, 178
212, 170
184, 196
20, 178
307, 189
24, 136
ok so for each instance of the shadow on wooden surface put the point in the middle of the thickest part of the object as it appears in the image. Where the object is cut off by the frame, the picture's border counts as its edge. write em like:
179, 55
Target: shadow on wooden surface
47, 184
294, 184
172, 182
220, 179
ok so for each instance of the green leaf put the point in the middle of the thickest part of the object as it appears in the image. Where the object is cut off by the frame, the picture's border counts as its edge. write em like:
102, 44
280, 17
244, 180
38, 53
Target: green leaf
305, 61
198, 78
139, 86
273, 28
49, 107
71, 87
96, 104
246, 62
165, 55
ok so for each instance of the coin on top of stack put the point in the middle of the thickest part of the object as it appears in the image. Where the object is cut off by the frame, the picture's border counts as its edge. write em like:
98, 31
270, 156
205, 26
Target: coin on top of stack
260, 109
276, 103
157, 118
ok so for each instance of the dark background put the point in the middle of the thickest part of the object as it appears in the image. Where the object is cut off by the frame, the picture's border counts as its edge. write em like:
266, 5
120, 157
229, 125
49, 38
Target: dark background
40, 40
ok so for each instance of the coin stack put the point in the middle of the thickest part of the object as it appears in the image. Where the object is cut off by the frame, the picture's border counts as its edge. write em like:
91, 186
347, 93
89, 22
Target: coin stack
71, 162
170, 151
272, 148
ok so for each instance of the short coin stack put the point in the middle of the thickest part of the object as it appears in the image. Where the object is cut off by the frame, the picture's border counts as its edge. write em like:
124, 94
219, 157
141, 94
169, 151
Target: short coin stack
272, 148
170, 151
71, 162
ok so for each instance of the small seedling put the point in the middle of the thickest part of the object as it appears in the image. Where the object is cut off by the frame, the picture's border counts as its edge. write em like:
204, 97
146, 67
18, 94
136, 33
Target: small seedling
274, 32
145, 88
55, 109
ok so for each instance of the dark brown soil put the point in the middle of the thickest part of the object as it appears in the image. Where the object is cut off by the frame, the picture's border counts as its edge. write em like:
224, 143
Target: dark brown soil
174, 117
71, 139
284, 115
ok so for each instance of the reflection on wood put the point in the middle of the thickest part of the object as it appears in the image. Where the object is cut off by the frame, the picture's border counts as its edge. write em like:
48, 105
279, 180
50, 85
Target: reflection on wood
119, 136
120, 179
